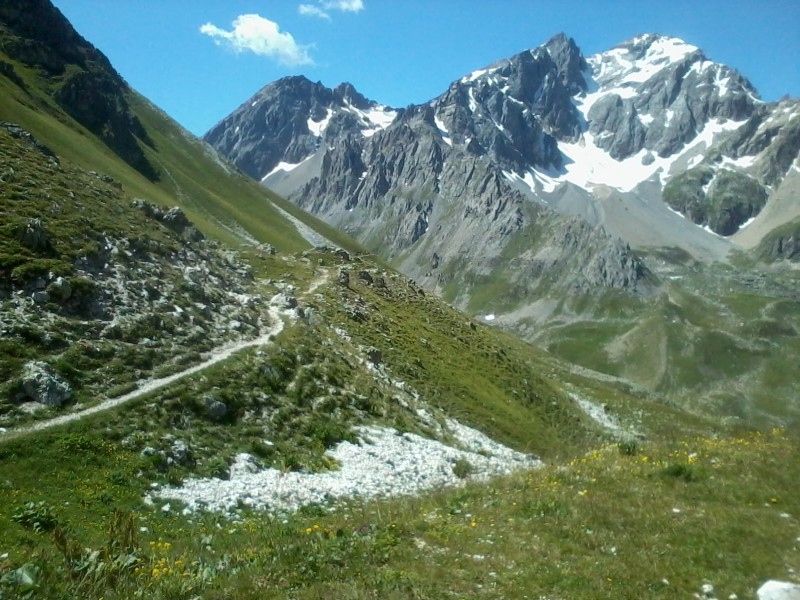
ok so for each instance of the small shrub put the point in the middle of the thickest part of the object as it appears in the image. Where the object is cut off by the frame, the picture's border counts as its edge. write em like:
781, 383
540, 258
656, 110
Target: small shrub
37, 516
262, 450
218, 467
681, 471
463, 468
628, 447
81, 443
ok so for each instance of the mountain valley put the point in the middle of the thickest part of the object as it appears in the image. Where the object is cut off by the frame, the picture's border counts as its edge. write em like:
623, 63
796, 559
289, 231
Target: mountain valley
473, 368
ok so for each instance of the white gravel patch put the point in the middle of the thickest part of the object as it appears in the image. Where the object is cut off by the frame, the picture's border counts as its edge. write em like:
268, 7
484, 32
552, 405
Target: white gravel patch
384, 463
598, 414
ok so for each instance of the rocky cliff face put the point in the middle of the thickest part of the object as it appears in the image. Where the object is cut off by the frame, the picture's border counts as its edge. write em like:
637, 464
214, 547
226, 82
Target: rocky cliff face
36, 34
658, 93
284, 123
470, 186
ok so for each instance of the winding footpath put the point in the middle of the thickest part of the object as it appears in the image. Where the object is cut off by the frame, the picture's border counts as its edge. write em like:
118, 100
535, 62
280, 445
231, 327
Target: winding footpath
278, 316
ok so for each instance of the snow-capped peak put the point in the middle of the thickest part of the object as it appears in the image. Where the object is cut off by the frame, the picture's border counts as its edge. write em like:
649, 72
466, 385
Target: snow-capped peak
639, 59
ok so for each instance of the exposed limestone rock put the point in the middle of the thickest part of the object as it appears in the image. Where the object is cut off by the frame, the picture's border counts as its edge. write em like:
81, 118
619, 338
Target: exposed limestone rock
779, 590
41, 384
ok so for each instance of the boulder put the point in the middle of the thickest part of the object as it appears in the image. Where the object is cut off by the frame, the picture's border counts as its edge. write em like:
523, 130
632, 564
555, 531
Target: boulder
778, 590
365, 277
41, 297
344, 277
180, 452
41, 384
215, 409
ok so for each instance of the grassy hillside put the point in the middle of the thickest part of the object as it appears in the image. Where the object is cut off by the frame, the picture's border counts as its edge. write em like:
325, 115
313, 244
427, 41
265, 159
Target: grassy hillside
717, 340
665, 485
224, 204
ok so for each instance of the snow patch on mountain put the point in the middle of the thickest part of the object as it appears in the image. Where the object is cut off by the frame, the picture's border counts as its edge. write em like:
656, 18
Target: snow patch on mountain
375, 119
443, 131
317, 127
286, 167
622, 66
587, 165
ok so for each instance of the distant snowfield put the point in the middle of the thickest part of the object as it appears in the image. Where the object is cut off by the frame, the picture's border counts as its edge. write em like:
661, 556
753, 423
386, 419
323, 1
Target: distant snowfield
285, 167
586, 165
383, 463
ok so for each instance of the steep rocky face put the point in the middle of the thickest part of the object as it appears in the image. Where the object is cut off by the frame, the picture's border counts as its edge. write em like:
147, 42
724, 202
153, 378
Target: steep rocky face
657, 93
36, 34
284, 122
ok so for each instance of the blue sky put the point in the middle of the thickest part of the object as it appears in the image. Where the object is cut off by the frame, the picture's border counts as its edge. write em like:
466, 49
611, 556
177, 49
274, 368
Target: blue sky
200, 59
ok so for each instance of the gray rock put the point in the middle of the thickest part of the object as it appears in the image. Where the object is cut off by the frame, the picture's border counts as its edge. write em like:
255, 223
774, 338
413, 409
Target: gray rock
41, 297
41, 384
344, 277
216, 409
779, 590
180, 452
365, 277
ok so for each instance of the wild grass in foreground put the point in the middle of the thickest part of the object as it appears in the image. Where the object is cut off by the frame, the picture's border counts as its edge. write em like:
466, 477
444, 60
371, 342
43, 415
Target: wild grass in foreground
632, 520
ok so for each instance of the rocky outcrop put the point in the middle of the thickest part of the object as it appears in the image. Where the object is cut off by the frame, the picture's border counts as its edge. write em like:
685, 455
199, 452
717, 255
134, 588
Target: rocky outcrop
721, 199
173, 218
783, 243
40, 383
19, 133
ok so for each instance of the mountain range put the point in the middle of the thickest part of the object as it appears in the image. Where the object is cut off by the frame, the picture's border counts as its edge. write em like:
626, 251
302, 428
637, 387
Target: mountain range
622, 139
548, 190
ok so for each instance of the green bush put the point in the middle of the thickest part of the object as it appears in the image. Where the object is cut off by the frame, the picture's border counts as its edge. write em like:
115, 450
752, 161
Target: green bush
37, 516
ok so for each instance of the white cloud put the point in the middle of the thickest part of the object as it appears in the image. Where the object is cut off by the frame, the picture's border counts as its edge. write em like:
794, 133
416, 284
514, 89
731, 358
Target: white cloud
310, 10
261, 36
322, 10
344, 5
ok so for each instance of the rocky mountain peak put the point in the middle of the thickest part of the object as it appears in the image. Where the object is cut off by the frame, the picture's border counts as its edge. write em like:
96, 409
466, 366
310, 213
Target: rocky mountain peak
569, 61
346, 93
284, 124
546, 128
